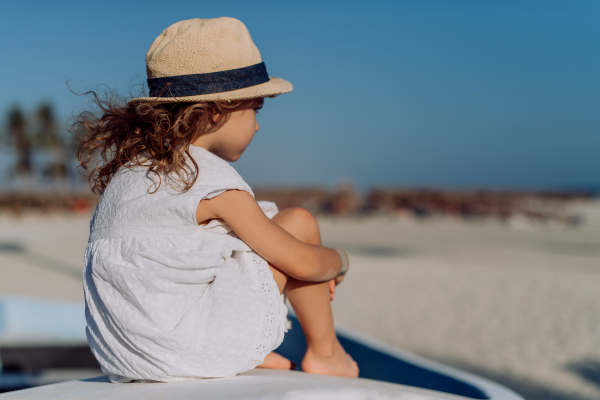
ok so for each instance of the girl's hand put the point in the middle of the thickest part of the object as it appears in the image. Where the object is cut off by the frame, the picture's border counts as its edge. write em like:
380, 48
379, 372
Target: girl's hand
332, 285
334, 282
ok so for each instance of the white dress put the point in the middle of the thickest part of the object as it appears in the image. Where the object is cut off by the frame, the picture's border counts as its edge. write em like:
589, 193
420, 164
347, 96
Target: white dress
169, 300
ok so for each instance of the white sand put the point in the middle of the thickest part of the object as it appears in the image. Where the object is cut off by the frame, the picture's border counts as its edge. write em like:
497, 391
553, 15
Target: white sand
51, 261
519, 306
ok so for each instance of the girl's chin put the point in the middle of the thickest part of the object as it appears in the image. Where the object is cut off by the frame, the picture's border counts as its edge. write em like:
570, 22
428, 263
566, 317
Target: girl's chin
231, 157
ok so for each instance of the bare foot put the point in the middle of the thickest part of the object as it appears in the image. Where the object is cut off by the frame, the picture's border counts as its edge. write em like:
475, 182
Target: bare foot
276, 361
336, 362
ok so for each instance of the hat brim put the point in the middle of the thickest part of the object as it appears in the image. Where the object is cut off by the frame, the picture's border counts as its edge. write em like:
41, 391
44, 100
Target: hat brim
273, 87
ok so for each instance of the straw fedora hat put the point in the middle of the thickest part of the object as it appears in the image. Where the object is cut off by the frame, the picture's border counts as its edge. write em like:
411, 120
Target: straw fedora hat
208, 60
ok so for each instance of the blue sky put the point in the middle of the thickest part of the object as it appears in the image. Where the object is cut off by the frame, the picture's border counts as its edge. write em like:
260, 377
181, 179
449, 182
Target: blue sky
492, 94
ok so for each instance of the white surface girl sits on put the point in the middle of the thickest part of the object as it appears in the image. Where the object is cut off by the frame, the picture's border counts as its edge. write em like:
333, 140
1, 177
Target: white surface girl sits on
184, 269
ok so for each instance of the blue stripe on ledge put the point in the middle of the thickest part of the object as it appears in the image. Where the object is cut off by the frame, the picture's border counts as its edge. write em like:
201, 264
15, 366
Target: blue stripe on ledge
380, 366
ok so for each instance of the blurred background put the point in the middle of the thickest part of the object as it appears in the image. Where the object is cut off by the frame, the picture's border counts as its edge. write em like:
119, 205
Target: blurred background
451, 147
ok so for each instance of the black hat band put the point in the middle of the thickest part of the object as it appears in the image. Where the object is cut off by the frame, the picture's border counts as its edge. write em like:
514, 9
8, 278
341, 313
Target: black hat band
212, 82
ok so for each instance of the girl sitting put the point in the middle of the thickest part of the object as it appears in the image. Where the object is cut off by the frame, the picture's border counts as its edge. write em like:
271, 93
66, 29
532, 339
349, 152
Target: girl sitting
184, 269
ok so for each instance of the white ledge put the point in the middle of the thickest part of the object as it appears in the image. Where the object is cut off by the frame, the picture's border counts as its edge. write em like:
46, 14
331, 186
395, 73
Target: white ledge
251, 385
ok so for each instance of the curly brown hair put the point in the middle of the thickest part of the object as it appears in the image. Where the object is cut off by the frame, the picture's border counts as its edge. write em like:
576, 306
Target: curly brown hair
150, 134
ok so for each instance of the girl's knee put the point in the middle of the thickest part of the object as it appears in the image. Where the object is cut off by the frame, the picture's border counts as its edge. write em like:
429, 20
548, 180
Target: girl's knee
300, 223
302, 215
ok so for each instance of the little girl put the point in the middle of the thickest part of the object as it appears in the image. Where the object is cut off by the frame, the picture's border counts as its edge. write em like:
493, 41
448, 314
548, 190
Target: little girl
184, 269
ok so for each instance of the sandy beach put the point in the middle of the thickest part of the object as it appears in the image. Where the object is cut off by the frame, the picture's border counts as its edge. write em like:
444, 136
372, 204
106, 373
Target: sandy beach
514, 302
519, 306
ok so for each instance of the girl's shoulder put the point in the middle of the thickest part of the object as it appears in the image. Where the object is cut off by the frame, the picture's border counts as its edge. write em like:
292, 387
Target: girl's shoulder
136, 196
214, 172
211, 171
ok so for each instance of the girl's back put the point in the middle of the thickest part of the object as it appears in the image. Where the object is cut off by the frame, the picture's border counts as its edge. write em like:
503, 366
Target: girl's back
170, 300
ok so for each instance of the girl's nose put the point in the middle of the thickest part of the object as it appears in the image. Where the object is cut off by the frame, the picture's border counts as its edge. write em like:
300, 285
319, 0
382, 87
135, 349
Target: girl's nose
257, 128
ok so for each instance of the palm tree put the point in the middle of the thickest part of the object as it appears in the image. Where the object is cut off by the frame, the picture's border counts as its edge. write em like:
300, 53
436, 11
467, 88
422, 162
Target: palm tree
47, 137
17, 131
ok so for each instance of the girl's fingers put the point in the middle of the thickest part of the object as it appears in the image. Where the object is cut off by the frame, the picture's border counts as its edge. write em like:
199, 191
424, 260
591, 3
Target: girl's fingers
332, 289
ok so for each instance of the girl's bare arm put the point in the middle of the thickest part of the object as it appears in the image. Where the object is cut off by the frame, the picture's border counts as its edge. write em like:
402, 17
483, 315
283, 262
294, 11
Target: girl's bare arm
306, 262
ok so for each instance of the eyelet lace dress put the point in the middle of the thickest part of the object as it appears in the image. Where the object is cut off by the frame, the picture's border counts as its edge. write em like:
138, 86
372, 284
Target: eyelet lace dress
169, 300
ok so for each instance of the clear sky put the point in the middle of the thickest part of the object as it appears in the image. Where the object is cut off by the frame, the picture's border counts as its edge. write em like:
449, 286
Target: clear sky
490, 94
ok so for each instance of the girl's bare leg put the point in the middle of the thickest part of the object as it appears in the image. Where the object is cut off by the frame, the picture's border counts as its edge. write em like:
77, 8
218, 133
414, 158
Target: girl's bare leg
311, 303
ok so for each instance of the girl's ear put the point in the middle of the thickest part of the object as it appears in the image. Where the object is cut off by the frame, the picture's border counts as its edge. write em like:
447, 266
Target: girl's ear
216, 117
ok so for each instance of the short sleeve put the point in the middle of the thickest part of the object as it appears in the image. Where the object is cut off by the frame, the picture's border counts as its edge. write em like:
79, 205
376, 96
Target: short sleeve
215, 176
